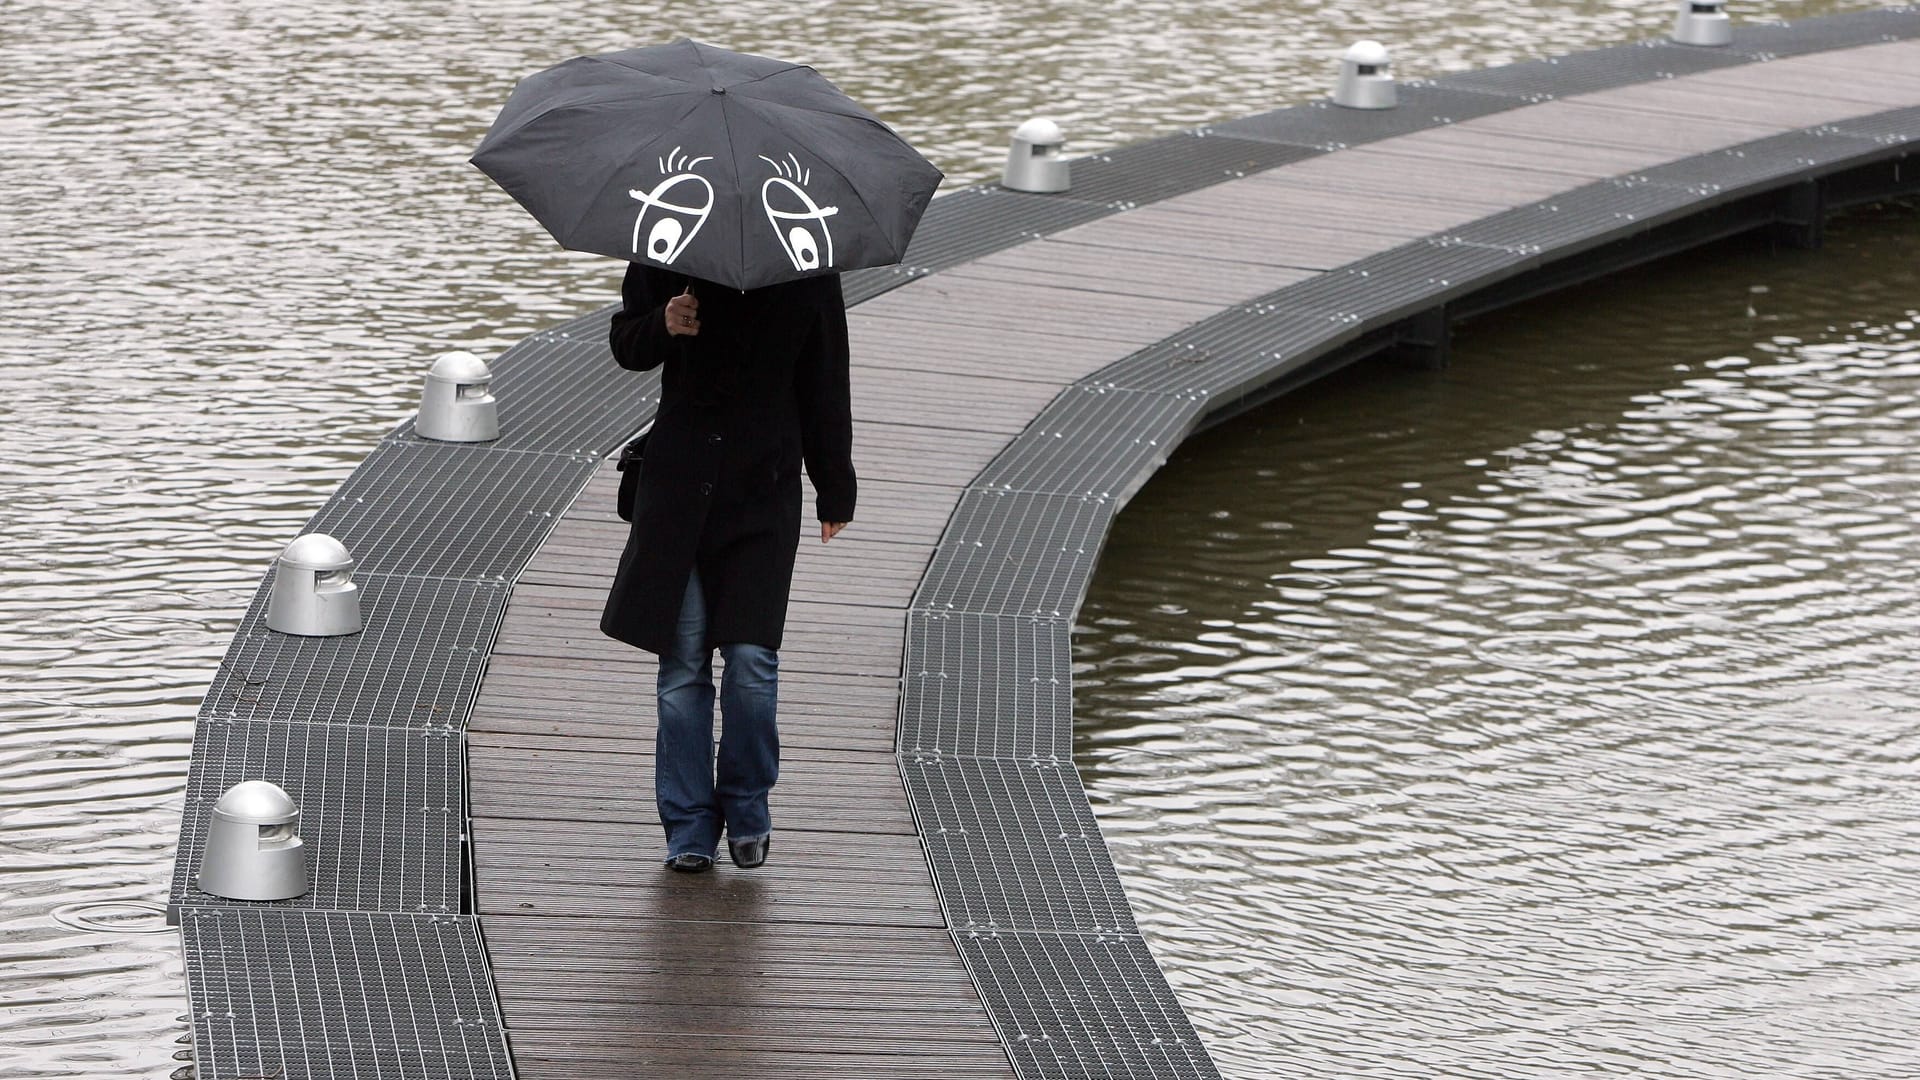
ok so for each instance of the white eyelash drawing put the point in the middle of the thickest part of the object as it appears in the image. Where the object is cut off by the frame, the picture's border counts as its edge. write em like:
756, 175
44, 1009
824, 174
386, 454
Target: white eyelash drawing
795, 227
671, 233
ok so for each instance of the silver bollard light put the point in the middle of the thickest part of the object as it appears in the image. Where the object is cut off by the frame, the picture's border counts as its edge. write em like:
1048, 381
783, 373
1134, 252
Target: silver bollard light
1033, 158
313, 590
1365, 79
456, 405
252, 852
1702, 22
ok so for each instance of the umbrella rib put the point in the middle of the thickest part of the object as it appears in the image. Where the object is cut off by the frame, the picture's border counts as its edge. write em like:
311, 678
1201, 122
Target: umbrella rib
588, 205
739, 190
829, 165
848, 106
547, 109
771, 74
642, 71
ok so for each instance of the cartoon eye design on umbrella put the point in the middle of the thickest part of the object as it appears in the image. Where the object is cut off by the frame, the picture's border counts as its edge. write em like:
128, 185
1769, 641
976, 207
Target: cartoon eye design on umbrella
674, 223
799, 223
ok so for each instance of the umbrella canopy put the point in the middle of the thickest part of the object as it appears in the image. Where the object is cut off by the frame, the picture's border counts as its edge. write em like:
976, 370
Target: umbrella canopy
724, 166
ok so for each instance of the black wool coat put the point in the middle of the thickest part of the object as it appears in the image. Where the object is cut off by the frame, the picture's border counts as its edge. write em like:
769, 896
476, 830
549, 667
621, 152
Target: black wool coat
760, 389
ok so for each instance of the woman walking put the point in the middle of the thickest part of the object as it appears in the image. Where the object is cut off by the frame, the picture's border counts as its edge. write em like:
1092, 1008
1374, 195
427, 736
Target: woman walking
754, 384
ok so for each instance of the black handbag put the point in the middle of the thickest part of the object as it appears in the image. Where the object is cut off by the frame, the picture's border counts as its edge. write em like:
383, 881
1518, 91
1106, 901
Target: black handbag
629, 467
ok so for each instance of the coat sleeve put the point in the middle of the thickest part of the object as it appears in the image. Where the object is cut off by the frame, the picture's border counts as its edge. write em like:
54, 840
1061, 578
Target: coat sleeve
821, 381
639, 333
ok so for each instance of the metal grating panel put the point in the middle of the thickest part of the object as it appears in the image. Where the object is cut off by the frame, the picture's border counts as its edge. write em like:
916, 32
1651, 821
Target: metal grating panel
380, 810
1602, 69
448, 510
987, 686
1322, 124
1265, 338
1094, 440
1229, 349
1893, 127
858, 286
1386, 287
311, 995
1015, 553
416, 662
1846, 30
560, 391
1795, 155
1151, 171
1579, 218
981, 220
1071, 1006
1014, 845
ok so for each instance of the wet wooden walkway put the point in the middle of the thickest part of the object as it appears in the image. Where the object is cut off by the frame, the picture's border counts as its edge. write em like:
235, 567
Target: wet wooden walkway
837, 959
833, 959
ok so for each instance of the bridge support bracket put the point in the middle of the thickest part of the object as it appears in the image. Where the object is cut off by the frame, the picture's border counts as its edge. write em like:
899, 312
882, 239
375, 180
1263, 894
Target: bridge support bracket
1801, 221
1424, 341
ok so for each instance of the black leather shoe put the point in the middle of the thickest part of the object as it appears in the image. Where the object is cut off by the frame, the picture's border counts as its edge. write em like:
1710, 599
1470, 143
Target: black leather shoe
748, 854
689, 863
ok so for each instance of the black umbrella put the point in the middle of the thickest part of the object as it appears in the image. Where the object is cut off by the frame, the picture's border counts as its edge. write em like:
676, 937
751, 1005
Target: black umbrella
727, 167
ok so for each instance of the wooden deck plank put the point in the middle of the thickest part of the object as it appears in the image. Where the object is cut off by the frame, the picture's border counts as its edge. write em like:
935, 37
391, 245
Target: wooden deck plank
524, 865
548, 756
575, 633
1574, 163
889, 511
1588, 119
859, 693
910, 452
1772, 107
1007, 352
926, 398
884, 989
1270, 243
587, 593
683, 946
637, 742
971, 302
1334, 174
884, 577
1515, 185
1863, 80
836, 732
591, 594
899, 1029
816, 590
1897, 59
1063, 264
730, 1063
660, 984
809, 811
574, 697
1372, 215
629, 688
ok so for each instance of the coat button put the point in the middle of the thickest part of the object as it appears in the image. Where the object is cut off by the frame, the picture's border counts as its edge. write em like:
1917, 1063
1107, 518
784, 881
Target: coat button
706, 489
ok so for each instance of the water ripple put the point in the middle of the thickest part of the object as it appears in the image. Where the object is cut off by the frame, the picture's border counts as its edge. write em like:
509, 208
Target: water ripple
237, 234
1591, 751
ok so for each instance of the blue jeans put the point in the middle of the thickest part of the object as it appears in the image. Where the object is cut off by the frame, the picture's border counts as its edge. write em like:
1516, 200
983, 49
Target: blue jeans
698, 796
